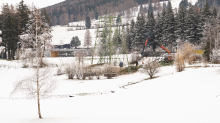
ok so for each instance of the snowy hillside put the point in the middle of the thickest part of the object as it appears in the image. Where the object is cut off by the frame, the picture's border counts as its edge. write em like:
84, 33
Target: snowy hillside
191, 96
175, 3
62, 36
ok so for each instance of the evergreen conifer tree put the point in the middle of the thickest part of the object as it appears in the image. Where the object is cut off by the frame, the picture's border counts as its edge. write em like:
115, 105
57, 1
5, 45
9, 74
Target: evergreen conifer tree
190, 24
88, 39
72, 42
206, 12
88, 22
96, 15
139, 29
132, 33
158, 32
214, 12
150, 7
169, 36
128, 39
10, 29
23, 14
149, 28
77, 42
118, 20
164, 5
181, 24
116, 38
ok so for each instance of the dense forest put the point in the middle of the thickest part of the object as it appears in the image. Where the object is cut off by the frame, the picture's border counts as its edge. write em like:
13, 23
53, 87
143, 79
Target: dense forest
20, 25
212, 3
198, 26
76, 10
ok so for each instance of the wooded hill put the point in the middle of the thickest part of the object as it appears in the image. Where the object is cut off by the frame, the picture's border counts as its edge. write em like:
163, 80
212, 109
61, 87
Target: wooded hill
212, 3
76, 10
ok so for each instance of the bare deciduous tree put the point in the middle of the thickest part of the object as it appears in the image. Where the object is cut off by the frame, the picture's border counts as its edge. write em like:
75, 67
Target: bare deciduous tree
80, 57
40, 83
36, 86
88, 39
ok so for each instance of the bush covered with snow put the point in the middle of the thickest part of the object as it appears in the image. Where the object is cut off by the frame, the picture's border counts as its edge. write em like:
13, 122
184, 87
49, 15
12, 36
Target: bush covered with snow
215, 56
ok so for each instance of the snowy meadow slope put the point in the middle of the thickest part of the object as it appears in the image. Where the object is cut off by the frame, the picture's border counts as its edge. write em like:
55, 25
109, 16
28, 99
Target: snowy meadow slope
191, 96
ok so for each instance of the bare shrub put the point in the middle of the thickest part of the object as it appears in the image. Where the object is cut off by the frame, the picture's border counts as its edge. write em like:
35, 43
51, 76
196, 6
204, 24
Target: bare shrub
26, 57
59, 71
135, 57
70, 71
70, 29
80, 57
197, 58
87, 72
187, 51
151, 67
215, 56
184, 54
78, 72
179, 61
98, 71
111, 71
205, 63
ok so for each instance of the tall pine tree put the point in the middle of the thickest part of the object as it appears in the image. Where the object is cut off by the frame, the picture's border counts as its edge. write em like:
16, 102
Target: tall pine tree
128, 39
23, 13
181, 24
10, 29
158, 32
169, 36
139, 29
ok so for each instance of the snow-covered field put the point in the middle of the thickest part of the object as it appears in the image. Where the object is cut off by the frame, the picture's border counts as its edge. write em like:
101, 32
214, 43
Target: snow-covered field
191, 96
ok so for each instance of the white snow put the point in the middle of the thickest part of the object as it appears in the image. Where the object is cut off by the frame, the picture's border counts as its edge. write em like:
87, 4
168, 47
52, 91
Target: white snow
62, 36
175, 3
191, 96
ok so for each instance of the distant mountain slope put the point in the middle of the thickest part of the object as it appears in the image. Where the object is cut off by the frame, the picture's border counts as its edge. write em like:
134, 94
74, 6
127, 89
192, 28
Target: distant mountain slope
200, 3
76, 10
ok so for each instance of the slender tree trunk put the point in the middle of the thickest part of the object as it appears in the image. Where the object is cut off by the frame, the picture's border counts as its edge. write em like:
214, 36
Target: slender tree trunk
38, 94
37, 58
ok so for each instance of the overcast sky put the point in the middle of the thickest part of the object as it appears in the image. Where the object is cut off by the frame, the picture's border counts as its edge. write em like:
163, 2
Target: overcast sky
38, 3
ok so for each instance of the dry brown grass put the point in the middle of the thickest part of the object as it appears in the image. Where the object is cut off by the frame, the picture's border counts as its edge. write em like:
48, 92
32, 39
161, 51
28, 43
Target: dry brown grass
111, 70
185, 54
179, 61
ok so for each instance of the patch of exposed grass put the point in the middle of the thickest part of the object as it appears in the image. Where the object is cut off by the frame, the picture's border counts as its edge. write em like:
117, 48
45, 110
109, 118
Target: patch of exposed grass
95, 65
166, 63
128, 70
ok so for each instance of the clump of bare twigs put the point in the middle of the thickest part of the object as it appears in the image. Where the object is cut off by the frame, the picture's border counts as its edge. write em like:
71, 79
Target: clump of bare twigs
135, 57
110, 71
179, 61
28, 85
151, 67
185, 54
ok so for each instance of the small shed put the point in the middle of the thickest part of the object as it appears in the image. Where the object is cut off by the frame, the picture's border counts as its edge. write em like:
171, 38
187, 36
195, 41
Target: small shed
54, 53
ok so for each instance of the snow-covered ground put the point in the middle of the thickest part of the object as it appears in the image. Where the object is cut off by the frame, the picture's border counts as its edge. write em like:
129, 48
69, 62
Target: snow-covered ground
175, 3
191, 96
